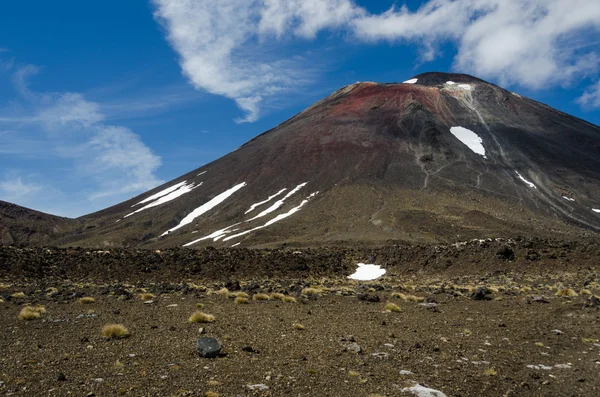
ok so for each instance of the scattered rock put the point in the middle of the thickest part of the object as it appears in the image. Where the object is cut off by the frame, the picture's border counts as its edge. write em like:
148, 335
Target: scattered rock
557, 332
405, 372
61, 377
422, 391
540, 299
208, 347
233, 285
353, 347
505, 253
259, 387
249, 349
368, 298
593, 301
481, 294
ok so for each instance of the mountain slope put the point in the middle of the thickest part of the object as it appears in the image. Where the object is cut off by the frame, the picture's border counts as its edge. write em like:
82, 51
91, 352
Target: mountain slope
24, 226
441, 157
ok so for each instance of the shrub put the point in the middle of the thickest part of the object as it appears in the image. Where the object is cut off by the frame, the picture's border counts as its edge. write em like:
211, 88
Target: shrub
200, 317
289, 299
114, 331
240, 300
392, 307
146, 296
261, 297
566, 293
299, 326
31, 312
86, 300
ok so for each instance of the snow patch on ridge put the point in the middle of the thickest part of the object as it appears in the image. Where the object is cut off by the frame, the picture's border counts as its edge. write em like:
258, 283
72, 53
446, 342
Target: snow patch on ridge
206, 207
366, 272
568, 198
253, 206
469, 138
466, 87
411, 81
215, 235
278, 203
276, 219
161, 193
530, 184
596, 210
180, 191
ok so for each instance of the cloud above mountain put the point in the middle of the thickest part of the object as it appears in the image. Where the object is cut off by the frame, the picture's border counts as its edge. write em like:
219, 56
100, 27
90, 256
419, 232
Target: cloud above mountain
238, 49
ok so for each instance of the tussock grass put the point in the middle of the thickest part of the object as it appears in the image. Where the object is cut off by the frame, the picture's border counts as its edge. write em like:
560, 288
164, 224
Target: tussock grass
353, 373
51, 291
199, 305
18, 295
211, 394
408, 297
585, 292
277, 296
566, 293
289, 299
240, 300
240, 294
490, 372
260, 297
222, 291
86, 300
200, 317
312, 291
114, 331
392, 307
146, 296
31, 312
299, 326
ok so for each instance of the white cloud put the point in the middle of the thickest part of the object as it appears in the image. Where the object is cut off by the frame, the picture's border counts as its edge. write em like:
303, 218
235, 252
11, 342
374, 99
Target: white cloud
224, 46
591, 97
107, 163
15, 189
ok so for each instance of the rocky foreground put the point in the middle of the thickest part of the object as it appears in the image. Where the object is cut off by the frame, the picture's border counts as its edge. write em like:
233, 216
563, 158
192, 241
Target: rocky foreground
530, 327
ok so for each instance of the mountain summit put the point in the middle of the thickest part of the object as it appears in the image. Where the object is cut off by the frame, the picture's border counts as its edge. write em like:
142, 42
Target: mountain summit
438, 158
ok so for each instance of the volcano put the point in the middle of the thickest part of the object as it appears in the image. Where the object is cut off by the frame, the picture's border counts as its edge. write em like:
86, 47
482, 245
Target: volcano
438, 158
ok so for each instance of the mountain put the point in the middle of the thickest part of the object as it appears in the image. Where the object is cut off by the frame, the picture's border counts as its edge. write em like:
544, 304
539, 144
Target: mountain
438, 158
24, 226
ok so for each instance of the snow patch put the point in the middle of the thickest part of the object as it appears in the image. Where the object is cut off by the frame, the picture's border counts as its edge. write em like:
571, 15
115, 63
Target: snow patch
276, 219
568, 198
411, 81
422, 391
253, 206
236, 244
206, 207
530, 184
467, 87
161, 193
366, 272
278, 203
450, 82
596, 210
203, 172
215, 235
168, 197
469, 138
539, 367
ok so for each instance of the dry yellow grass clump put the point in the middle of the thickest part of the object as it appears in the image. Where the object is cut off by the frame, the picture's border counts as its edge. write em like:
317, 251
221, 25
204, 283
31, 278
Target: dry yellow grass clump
566, 292
200, 317
211, 394
31, 312
312, 291
18, 295
240, 300
490, 372
299, 326
114, 331
289, 299
585, 292
222, 291
86, 300
146, 296
260, 297
277, 296
240, 294
392, 307
408, 297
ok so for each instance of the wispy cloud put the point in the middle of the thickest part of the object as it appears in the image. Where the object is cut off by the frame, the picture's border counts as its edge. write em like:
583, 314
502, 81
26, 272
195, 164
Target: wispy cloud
108, 162
223, 46
14, 189
591, 97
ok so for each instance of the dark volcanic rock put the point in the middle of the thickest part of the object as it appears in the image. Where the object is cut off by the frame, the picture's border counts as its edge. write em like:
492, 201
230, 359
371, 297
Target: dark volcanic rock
208, 347
481, 294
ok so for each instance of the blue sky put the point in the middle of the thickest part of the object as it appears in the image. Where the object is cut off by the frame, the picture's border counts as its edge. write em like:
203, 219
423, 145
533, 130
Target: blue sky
100, 101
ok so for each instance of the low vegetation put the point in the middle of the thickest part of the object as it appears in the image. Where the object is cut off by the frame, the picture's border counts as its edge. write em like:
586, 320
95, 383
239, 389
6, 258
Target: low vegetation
392, 307
114, 331
86, 300
201, 317
261, 297
31, 312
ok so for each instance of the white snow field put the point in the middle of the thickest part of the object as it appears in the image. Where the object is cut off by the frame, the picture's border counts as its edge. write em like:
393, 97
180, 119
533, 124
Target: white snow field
278, 203
530, 184
206, 207
161, 193
253, 206
411, 81
180, 191
366, 272
469, 138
